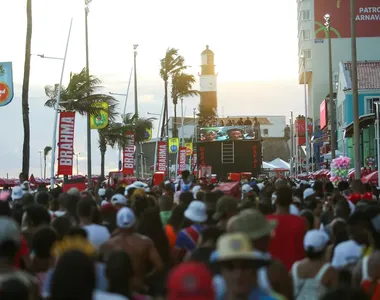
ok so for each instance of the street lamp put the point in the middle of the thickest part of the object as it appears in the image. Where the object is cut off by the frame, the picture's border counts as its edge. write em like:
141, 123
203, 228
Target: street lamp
153, 114
306, 114
77, 158
40, 152
331, 90
89, 162
377, 129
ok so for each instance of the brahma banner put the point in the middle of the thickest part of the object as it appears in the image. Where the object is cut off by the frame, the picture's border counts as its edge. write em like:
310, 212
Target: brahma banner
162, 157
129, 155
182, 159
6, 83
66, 143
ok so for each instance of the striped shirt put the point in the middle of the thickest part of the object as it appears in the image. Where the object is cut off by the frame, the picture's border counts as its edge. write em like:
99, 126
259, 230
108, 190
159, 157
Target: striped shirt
187, 239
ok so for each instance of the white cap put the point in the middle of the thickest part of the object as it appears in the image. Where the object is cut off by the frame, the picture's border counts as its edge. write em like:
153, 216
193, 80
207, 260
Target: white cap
17, 193
139, 184
195, 190
127, 188
246, 188
104, 202
315, 240
125, 218
308, 192
196, 212
167, 182
101, 192
260, 186
293, 210
118, 199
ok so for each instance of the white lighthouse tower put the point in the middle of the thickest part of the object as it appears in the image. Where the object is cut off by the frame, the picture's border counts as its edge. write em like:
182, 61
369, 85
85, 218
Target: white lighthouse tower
207, 80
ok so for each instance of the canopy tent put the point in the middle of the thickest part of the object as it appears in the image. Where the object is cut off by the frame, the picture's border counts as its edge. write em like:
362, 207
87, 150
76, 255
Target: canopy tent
268, 166
327, 156
278, 163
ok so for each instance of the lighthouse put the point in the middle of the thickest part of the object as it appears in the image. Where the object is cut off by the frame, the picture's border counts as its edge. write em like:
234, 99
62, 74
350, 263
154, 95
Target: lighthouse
207, 80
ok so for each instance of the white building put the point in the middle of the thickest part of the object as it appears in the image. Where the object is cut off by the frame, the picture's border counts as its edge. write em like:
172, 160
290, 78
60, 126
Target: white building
314, 47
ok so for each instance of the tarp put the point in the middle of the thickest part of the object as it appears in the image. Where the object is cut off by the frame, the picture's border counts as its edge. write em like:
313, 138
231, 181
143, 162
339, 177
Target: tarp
268, 166
280, 164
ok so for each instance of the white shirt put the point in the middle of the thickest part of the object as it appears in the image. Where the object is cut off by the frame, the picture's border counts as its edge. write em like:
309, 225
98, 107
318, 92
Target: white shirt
346, 253
100, 295
97, 234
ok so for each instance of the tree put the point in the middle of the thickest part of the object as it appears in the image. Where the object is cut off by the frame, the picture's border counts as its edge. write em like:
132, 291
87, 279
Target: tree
182, 84
172, 63
25, 90
47, 149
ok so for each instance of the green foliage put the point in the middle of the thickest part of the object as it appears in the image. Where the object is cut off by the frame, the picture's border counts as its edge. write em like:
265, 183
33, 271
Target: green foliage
182, 84
172, 63
47, 149
2, 71
207, 115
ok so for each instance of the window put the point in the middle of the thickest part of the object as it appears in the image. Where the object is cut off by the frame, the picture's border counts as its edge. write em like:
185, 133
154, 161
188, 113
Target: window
265, 132
307, 53
370, 107
305, 34
305, 15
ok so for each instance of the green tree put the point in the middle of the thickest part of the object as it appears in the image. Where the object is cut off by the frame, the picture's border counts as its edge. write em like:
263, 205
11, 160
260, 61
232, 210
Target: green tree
171, 64
25, 90
47, 149
182, 85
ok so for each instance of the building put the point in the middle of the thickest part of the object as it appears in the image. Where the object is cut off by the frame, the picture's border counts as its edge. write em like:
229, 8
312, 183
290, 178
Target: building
313, 43
369, 93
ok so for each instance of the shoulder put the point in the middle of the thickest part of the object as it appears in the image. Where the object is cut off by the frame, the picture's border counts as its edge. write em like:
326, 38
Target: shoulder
100, 295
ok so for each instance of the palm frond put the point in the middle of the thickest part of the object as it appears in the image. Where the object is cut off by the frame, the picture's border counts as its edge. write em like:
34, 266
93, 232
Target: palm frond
47, 149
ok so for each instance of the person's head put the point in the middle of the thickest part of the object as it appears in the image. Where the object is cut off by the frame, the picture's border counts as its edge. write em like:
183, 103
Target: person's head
185, 175
62, 226
235, 134
329, 187
85, 209
14, 289
309, 218
43, 198
43, 241
314, 204
165, 203
109, 193
339, 231
315, 243
63, 199
23, 177
17, 194
210, 236
196, 212
226, 207
27, 200
10, 236
284, 197
73, 277
139, 205
185, 198
359, 227
5, 209
118, 201
318, 187
177, 218
357, 186
36, 215
342, 209
74, 192
125, 219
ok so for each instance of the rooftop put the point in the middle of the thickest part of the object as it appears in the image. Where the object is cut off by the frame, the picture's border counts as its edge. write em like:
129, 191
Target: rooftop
368, 75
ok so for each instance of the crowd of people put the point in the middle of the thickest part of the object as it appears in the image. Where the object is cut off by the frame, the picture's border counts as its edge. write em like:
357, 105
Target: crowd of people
281, 239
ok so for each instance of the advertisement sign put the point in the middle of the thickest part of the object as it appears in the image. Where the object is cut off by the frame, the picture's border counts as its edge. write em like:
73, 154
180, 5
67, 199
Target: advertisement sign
181, 159
301, 126
205, 172
162, 157
173, 145
66, 143
148, 135
227, 133
129, 155
6, 83
189, 148
194, 165
100, 121
367, 16
323, 114
256, 159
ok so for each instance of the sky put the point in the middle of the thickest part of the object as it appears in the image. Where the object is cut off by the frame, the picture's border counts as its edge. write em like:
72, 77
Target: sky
255, 50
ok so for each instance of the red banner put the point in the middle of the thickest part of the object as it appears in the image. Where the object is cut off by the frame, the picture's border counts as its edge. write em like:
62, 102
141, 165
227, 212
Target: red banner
182, 159
162, 157
66, 143
129, 155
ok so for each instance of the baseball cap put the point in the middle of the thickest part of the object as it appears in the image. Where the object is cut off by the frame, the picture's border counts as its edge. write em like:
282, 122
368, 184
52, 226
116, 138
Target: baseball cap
260, 186
118, 199
225, 205
101, 192
195, 190
308, 192
252, 223
196, 212
17, 193
190, 281
9, 231
246, 188
125, 218
315, 240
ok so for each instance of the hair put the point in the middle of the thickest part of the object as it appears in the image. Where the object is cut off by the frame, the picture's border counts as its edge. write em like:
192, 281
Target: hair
318, 188
120, 190
119, 272
284, 196
62, 226
63, 199
165, 203
185, 174
27, 200
74, 277
78, 232
342, 209
109, 193
85, 207
177, 218
131, 192
309, 217
14, 289
329, 187
357, 186
211, 234
185, 198
17, 213
71, 208
339, 232
200, 195
346, 293
140, 204
43, 198
37, 215
43, 241
312, 255
5, 209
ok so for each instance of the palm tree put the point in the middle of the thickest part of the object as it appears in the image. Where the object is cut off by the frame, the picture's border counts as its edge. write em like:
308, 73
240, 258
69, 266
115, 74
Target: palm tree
25, 90
47, 149
182, 84
172, 63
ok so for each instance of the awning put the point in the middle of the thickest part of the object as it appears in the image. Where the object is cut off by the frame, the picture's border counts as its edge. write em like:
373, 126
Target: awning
364, 121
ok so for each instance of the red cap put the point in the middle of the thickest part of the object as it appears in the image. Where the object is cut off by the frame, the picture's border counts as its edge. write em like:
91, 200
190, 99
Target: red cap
190, 280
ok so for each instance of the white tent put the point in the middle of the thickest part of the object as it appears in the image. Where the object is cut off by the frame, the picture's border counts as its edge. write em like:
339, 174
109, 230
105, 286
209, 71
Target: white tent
280, 164
268, 166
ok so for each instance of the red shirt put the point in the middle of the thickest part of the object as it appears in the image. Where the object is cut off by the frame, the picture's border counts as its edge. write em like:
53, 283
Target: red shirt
24, 250
287, 243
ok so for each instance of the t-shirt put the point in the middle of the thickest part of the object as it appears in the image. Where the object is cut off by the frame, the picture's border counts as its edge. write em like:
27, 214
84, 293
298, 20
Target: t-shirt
101, 295
171, 235
287, 243
346, 253
165, 216
97, 234
187, 239
23, 250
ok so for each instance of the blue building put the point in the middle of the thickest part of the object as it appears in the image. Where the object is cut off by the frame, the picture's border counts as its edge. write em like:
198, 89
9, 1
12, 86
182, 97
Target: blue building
369, 93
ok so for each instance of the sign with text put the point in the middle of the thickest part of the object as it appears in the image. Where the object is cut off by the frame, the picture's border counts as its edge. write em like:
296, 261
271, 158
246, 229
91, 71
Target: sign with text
194, 164
129, 155
181, 159
189, 148
66, 143
162, 157
6, 83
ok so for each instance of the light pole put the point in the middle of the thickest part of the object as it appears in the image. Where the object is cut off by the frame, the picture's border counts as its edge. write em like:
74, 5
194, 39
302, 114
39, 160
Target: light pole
89, 162
331, 90
377, 142
291, 143
306, 114
40, 152
355, 100
77, 158
136, 106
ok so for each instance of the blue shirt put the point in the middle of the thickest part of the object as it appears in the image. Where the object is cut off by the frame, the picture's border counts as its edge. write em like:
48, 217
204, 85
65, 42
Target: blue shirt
187, 239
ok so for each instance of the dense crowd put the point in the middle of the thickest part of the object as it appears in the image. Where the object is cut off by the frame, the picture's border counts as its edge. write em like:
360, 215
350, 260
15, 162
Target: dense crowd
278, 239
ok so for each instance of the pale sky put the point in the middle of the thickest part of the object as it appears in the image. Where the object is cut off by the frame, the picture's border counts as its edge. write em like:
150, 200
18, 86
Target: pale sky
255, 48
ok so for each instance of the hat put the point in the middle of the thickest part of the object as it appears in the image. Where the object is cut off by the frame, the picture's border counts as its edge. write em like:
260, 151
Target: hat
315, 240
101, 192
9, 231
17, 193
196, 212
118, 199
74, 191
293, 210
246, 188
190, 281
234, 246
225, 205
308, 192
195, 190
252, 223
125, 218
260, 186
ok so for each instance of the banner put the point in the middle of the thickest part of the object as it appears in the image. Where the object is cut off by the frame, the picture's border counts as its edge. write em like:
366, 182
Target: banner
205, 172
147, 135
162, 157
181, 159
100, 121
189, 148
173, 145
194, 163
129, 155
66, 143
6, 83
